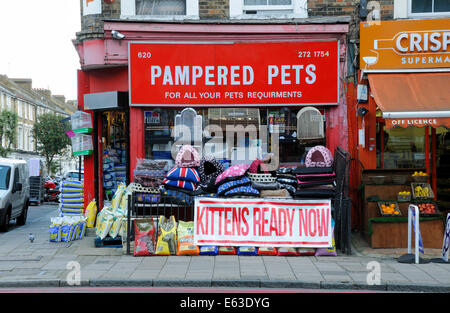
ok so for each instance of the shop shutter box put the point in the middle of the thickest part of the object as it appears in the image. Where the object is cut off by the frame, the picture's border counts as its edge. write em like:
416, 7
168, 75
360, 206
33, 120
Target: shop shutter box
81, 122
82, 145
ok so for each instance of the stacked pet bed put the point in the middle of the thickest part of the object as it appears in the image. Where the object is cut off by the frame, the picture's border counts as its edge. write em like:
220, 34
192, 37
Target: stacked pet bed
233, 183
182, 181
208, 170
265, 181
317, 178
150, 173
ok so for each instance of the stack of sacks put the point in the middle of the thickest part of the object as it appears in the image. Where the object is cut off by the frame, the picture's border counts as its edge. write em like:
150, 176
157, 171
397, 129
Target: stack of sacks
67, 228
120, 173
111, 220
264, 180
71, 201
109, 176
233, 183
317, 179
150, 173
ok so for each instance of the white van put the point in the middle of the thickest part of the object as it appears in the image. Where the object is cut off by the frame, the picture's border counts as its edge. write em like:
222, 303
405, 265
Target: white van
14, 192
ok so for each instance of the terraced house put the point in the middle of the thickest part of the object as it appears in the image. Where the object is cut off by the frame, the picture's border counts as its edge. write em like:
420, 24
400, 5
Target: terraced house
18, 95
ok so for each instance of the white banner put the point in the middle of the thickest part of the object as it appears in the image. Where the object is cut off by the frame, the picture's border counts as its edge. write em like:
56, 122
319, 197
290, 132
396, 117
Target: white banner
92, 7
263, 222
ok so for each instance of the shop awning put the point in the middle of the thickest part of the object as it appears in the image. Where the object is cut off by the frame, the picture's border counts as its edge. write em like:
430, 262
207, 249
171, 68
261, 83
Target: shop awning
412, 99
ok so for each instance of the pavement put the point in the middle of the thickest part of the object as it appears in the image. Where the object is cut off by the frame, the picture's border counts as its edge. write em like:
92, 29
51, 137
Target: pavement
48, 264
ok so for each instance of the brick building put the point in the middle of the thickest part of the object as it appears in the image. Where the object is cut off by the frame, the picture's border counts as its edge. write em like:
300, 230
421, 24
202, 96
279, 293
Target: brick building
109, 26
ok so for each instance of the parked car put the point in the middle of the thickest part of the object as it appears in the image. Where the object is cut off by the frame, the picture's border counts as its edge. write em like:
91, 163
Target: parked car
73, 175
14, 192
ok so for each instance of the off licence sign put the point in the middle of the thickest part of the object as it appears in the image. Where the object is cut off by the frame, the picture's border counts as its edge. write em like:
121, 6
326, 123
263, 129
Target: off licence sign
253, 74
258, 222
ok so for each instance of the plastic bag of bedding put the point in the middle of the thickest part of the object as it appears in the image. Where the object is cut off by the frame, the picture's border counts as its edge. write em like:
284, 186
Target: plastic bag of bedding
247, 251
267, 251
208, 250
227, 250
287, 251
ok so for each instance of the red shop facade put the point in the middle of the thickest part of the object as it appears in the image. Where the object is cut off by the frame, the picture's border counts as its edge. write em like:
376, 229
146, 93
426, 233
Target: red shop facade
135, 85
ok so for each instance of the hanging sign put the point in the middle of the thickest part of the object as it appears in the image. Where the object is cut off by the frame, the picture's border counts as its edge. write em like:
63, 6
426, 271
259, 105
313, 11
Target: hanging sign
229, 74
260, 222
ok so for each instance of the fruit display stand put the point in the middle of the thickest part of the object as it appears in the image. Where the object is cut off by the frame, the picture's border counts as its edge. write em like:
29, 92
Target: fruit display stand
389, 230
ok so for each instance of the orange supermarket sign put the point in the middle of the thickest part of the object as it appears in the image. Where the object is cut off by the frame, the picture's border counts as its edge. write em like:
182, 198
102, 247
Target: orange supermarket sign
405, 44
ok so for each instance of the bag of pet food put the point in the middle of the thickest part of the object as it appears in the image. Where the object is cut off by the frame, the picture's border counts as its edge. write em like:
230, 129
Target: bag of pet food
167, 236
82, 228
227, 250
65, 230
117, 198
208, 250
247, 251
115, 227
185, 239
267, 251
55, 229
75, 227
144, 237
104, 224
287, 251
90, 213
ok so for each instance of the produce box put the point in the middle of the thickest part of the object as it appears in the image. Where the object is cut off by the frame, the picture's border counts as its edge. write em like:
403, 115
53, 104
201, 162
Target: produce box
422, 191
427, 208
389, 208
404, 196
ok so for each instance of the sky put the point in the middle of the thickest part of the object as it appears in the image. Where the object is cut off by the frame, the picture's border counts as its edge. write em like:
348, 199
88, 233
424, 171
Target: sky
36, 42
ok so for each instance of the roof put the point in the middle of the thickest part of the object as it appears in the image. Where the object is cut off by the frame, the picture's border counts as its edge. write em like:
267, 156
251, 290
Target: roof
310, 20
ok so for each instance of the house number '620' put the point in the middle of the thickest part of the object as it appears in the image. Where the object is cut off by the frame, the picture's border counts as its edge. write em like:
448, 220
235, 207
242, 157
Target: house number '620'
144, 55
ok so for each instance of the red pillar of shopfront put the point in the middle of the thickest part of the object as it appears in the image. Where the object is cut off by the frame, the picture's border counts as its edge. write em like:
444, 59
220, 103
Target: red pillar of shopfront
94, 81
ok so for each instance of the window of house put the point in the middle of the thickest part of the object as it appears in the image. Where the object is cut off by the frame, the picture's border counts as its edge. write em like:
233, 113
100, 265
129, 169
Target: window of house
20, 137
19, 108
8, 102
272, 8
426, 7
159, 9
